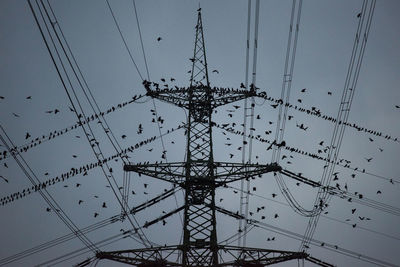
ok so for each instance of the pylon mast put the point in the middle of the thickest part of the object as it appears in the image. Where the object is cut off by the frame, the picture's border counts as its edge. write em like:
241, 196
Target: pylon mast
199, 176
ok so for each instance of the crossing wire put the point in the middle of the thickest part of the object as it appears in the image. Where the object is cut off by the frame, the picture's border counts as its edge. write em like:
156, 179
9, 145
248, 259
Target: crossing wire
27, 170
343, 113
78, 104
245, 116
154, 103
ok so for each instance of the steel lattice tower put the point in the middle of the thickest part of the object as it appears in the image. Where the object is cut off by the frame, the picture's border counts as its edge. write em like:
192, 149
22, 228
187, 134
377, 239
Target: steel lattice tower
199, 176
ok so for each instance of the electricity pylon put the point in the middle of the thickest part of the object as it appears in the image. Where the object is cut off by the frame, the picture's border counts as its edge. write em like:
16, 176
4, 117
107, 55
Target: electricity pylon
199, 176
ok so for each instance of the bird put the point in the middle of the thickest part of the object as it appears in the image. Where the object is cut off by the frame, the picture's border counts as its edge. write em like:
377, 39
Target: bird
274, 195
329, 93
1, 176
159, 39
80, 201
1, 97
368, 160
359, 15
353, 210
164, 222
145, 185
231, 155
48, 209
370, 139
27, 135
78, 185
96, 214
299, 100
56, 111
397, 106
74, 156
303, 90
379, 192
15, 115
276, 215
123, 136
104, 205
290, 117
216, 71
29, 97
236, 107
5, 164
274, 106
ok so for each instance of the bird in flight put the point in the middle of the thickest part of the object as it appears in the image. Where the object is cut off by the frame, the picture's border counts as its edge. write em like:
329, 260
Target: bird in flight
368, 160
159, 39
303, 90
215, 71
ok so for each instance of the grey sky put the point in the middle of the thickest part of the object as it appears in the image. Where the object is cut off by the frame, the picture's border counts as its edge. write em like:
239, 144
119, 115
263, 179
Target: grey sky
325, 40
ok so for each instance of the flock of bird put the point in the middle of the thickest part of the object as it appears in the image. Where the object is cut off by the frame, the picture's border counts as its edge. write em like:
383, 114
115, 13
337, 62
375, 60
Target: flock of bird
229, 127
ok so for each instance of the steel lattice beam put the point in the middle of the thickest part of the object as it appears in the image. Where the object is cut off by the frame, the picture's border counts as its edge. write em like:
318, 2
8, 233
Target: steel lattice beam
199, 176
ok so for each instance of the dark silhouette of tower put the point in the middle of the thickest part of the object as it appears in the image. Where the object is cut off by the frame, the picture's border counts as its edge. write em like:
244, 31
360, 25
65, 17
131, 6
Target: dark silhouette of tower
199, 176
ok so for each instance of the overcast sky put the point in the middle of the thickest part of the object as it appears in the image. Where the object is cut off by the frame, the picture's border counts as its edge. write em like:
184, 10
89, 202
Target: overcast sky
326, 37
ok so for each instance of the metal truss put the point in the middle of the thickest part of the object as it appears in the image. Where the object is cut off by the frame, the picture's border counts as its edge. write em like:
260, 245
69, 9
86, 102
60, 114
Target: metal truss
199, 176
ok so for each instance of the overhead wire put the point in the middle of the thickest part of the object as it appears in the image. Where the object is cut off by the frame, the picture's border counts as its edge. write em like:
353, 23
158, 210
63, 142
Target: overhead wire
98, 154
242, 182
154, 103
343, 113
29, 173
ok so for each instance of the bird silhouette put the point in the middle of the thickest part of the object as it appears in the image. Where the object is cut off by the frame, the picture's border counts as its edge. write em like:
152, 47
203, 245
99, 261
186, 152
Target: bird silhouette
159, 39
368, 159
303, 90
216, 71
104, 205
96, 214
80, 202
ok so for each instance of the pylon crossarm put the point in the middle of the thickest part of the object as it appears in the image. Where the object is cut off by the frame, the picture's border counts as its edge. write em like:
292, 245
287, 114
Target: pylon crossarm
300, 178
172, 172
258, 256
319, 262
219, 96
147, 224
223, 96
154, 200
227, 172
157, 256
179, 97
